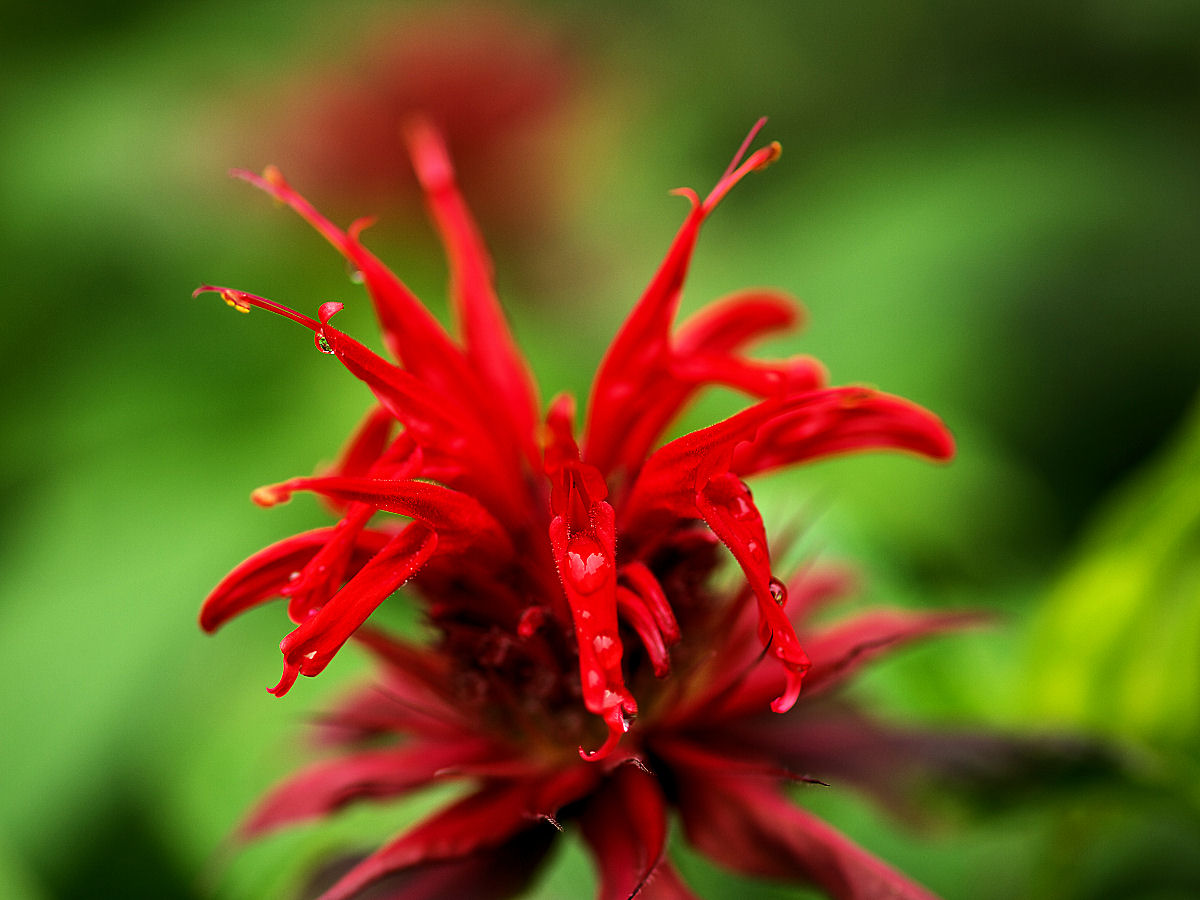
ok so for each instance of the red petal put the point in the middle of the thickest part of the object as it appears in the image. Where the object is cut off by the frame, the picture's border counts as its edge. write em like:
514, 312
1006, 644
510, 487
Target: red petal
665, 884
489, 343
265, 574
843, 420
324, 573
366, 444
840, 651
641, 350
625, 824
733, 322
412, 332
586, 562
393, 706
459, 519
633, 610
643, 583
758, 378
703, 353
497, 873
327, 786
684, 375
726, 506
747, 825
481, 820
689, 477
308, 649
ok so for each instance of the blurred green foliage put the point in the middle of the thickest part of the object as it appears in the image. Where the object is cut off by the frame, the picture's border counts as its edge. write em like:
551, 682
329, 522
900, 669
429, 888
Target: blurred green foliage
1129, 611
989, 208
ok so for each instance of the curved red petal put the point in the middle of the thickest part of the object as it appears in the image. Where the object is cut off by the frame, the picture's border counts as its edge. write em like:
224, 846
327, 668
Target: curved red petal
489, 343
487, 818
641, 348
747, 825
586, 560
664, 883
330, 785
731, 323
838, 652
309, 648
634, 611
643, 583
412, 331
366, 444
625, 825
495, 873
268, 572
844, 420
458, 518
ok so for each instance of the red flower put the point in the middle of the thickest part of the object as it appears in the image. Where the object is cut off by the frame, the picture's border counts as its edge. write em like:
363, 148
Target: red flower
497, 82
565, 575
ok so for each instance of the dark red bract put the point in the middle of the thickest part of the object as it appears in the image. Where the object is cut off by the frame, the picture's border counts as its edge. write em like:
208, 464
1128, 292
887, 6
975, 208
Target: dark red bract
570, 581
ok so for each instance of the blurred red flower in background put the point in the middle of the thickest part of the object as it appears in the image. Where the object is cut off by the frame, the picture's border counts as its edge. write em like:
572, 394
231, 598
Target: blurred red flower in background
496, 83
566, 574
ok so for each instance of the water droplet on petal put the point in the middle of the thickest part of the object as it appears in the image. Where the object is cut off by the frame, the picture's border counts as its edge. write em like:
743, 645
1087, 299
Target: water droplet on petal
354, 273
587, 567
778, 591
323, 344
608, 649
741, 507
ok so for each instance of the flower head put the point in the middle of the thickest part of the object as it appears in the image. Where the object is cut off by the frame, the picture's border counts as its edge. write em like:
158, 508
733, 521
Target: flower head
568, 574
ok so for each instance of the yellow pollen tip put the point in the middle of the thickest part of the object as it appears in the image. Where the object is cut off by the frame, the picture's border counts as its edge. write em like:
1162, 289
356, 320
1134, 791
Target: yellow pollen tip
236, 302
776, 150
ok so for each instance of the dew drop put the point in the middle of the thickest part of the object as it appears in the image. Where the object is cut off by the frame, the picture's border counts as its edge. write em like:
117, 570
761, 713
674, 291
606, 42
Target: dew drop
778, 591
741, 507
323, 344
354, 273
588, 569
294, 575
608, 649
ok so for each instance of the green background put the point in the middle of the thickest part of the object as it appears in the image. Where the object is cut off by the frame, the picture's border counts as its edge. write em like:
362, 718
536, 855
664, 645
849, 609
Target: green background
989, 208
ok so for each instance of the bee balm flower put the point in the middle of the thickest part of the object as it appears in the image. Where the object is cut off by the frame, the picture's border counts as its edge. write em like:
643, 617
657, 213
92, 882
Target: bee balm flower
569, 570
